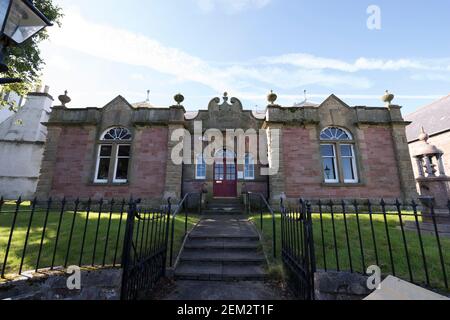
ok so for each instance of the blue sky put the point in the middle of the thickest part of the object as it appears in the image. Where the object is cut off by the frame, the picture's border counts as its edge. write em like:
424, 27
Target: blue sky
202, 48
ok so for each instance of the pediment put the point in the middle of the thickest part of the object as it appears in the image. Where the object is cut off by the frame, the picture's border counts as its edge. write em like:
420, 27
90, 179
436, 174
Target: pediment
333, 102
334, 111
118, 103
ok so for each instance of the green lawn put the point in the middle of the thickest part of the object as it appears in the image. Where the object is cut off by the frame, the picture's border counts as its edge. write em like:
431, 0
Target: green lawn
108, 250
325, 250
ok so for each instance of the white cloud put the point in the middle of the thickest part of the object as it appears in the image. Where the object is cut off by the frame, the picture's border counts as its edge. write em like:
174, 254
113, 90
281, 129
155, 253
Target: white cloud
290, 72
121, 46
308, 61
231, 6
431, 77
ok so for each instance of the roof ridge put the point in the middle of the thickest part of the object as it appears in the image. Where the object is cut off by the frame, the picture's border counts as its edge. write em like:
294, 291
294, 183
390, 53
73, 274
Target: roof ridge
428, 105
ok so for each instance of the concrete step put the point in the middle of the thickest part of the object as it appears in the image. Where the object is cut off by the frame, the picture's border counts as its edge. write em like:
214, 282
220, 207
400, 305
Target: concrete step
231, 244
228, 211
219, 272
225, 200
223, 237
224, 256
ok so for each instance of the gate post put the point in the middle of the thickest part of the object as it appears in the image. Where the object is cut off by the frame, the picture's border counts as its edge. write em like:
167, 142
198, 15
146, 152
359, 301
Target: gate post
126, 253
311, 254
169, 212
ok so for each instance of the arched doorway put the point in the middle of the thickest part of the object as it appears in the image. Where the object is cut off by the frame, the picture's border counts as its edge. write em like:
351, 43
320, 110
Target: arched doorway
225, 174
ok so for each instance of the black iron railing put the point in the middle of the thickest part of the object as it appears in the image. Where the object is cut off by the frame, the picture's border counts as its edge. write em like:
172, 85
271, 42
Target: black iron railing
191, 202
298, 251
404, 240
48, 234
256, 203
144, 257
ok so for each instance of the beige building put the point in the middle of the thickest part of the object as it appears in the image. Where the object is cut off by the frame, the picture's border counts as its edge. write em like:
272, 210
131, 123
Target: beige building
434, 119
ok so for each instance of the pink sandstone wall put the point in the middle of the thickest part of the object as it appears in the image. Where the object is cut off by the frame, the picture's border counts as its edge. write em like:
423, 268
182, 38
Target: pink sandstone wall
75, 165
377, 163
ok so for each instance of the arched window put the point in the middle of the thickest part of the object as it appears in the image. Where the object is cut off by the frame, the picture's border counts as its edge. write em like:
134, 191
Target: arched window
333, 133
200, 168
338, 156
114, 154
249, 167
117, 134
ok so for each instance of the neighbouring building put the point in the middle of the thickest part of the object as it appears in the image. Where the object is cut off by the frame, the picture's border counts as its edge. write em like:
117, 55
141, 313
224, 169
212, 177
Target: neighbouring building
11, 99
434, 120
22, 140
330, 150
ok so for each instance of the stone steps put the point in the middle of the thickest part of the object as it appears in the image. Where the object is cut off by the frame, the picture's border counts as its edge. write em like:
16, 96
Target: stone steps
224, 207
227, 211
230, 244
219, 272
224, 256
222, 248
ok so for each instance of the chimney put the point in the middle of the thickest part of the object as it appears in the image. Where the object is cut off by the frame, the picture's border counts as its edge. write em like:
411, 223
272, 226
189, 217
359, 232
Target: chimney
40, 99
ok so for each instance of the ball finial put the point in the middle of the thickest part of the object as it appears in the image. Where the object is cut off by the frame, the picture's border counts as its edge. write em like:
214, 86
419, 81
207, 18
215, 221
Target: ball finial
272, 97
388, 98
64, 99
179, 98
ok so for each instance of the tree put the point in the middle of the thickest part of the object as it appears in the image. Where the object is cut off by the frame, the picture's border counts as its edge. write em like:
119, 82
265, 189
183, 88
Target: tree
25, 61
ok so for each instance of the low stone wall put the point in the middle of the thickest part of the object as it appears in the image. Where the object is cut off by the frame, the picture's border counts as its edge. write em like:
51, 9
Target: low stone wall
340, 286
96, 284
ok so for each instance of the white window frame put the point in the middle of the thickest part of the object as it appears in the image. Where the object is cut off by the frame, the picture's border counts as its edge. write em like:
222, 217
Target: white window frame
116, 162
198, 163
353, 158
246, 171
99, 157
336, 168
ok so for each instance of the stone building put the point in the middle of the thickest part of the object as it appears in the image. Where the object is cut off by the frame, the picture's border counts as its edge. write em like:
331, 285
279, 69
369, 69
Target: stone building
22, 139
434, 120
328, 151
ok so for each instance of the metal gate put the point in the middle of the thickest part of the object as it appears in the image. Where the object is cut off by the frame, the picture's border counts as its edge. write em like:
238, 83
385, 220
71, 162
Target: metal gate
145, 250
298, 249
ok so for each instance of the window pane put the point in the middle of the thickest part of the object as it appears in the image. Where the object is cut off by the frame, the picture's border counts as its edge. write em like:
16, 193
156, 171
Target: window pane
329, 169
231, 172
103, 169
122, 169
200, 167
105, 151
124, 151
327, 150
219, 172
349, 173
346, 151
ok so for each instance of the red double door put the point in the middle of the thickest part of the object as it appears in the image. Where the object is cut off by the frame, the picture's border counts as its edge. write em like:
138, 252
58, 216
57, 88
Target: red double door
225, 178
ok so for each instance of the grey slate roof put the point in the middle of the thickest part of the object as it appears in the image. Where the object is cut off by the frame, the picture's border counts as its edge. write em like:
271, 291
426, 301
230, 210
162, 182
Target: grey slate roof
435, 118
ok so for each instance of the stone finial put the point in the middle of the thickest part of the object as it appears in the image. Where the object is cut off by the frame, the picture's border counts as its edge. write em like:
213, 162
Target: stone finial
179, 98
388, 98
272, 97
423, 135
225, 96
64, 99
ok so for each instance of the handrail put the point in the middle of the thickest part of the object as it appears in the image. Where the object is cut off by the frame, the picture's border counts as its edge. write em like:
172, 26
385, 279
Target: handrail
263, 201
182, 205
